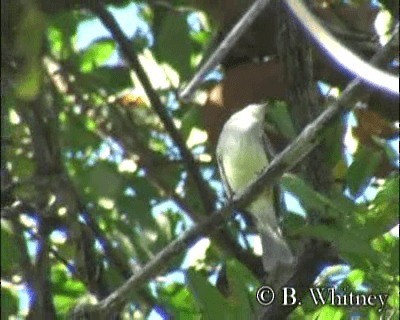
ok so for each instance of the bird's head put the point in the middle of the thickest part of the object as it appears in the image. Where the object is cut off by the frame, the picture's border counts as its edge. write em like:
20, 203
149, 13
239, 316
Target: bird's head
252, 112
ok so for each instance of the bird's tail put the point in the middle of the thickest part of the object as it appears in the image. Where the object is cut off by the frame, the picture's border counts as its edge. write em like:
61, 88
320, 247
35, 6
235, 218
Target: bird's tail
278, 260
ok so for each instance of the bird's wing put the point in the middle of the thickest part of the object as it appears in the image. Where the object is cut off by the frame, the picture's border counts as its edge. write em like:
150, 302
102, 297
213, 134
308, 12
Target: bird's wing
225, 181
269, 149
278, 198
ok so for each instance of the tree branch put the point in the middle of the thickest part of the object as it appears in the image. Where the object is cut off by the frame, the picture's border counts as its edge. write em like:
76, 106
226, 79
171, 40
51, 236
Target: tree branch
293, 154
206, 195
223, 49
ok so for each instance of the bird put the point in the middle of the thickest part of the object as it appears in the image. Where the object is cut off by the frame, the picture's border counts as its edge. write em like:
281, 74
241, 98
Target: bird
242, 153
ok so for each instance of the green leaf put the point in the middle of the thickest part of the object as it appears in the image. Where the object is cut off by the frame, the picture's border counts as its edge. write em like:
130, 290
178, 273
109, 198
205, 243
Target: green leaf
200, 40
333, 141
23, 167
190, 120
320, 231
66, 290
237, 270
310, 198
97, 53
137, 211
104, 180
387, 199
373, 315
280, 116
30, 31
9, 303
29, 81
329, 313
10, 253
173, 43
112, 276
179, 300
78, 134
356, 278
111, 78
351, 244
239, 280
209, 300
362, 170
62, 31
293, 222
394, 256
393, 299
63, 303
382, 211
64, 284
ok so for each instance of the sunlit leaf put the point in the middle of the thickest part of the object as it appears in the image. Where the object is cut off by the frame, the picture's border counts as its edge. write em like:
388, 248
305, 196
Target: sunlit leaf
311, 199
362, 170
329, 313
356, 278
9, 303
173, 43
97, 53
190, 120
180, 301
62, 33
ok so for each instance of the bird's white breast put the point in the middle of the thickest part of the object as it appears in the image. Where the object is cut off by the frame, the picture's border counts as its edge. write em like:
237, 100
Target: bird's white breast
243, 156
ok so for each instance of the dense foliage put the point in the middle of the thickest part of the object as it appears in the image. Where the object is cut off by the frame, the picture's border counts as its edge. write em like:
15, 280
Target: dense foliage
95, 181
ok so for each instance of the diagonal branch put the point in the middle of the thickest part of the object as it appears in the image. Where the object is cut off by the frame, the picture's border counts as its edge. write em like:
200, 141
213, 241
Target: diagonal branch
206, 195
223, 49
293, 154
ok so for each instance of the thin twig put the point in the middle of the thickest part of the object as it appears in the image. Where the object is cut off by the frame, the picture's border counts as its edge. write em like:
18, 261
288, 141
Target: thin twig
293, 154
226, 45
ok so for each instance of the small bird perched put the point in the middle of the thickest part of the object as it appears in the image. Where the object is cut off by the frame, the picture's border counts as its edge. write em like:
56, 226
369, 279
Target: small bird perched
242, 154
